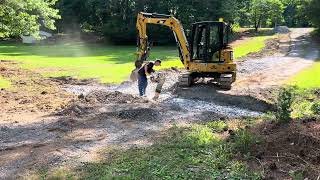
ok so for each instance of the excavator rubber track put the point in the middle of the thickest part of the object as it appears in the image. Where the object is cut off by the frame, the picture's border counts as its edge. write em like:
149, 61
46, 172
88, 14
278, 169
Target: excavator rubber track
226, 81
185, 80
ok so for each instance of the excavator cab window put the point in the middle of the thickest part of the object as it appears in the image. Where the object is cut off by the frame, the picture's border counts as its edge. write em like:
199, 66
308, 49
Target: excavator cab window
207, 40
200, 43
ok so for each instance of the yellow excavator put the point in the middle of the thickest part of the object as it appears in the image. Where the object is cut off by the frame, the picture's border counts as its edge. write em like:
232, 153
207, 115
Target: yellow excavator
206, 55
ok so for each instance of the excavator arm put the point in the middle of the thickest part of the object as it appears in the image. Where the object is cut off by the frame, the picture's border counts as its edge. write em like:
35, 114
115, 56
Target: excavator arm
165, 20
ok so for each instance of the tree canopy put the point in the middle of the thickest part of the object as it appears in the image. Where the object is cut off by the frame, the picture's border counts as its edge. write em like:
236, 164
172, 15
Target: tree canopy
115, 19
26, 16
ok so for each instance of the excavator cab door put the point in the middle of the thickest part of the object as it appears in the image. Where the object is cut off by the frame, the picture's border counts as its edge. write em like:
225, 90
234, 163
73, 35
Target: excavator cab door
207, 40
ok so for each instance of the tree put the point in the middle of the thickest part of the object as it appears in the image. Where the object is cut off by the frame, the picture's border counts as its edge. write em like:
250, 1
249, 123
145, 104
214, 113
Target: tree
276, 9
312, 10
19, 17
264, 10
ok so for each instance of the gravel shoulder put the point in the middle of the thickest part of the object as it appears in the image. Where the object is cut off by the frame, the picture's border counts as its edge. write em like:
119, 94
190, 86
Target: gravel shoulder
105, 116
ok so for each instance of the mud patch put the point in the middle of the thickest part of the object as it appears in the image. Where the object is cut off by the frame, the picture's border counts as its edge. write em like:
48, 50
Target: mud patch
138, 114
64, 80
288, 148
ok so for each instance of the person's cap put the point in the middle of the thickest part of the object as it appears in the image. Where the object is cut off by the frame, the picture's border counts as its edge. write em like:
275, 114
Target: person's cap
158, 60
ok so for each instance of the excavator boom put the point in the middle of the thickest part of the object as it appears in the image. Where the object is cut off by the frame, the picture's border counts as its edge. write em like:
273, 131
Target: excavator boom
165, 20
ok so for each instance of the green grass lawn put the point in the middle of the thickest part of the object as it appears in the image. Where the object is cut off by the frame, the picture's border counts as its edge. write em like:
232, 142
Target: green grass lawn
110, 64
253, 45
4, 83
308, 78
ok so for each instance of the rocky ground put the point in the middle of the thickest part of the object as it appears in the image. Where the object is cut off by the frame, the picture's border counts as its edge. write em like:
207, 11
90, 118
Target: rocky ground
62, 121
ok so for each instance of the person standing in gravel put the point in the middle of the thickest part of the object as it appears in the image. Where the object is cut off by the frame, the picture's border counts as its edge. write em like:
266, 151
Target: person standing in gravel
143, 72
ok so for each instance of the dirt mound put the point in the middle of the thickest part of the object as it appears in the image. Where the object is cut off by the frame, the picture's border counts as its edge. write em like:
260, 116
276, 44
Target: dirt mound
282, 29
288, 149
72, 81
74, 110
139, 114
108, 97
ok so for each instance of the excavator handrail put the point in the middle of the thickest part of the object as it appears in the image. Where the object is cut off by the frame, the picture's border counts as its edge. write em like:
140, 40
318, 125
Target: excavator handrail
166, 20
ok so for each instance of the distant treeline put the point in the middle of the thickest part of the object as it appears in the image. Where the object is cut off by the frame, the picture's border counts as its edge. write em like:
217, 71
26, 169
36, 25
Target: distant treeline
116, 19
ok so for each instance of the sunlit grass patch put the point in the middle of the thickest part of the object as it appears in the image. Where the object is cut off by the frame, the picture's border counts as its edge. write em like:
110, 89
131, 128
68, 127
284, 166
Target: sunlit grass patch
308, 78
253, 45
109, 64
4, 83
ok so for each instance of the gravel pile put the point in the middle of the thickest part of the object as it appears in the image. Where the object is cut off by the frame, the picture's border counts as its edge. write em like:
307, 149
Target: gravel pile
203, 106
74, 109
108, 97
282, 29
139, 114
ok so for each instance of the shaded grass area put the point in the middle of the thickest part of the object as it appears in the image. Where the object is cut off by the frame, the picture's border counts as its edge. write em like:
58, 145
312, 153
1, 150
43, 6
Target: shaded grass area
4, 83
197, 152
110, 64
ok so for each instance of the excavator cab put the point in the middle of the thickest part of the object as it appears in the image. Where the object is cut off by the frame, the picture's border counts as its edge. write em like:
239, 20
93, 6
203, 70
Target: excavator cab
207, 40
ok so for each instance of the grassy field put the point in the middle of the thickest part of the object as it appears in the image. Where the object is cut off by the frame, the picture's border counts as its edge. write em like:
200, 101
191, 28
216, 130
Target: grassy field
308, 78
4, 83
253, 45
110, 64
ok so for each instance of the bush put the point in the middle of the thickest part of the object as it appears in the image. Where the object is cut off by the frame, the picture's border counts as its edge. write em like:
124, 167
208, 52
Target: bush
315, 108
284, 103
243, 139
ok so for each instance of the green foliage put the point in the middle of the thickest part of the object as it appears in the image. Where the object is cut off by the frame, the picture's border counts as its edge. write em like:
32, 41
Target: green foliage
297, 175
301, 107
284, 104
243, 140
116, 19
295, 14
26, 17
262, 11
311, 9
218, 126
306, 103
315, 108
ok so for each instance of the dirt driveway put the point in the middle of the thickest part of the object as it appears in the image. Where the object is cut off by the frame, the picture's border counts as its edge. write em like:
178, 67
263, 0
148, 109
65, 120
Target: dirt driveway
102, 116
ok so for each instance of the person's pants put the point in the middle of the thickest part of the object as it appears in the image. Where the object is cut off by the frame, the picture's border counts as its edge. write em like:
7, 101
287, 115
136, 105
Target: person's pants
142, 84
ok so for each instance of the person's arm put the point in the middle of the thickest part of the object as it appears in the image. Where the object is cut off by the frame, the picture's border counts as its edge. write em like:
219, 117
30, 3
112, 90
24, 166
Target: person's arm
146, 69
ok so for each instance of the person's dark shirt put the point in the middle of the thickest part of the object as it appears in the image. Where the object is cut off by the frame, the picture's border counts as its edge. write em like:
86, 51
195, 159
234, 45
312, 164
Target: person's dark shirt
149, 69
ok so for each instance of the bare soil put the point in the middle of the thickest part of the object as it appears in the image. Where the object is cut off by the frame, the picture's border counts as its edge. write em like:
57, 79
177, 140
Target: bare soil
45, 123
288, 149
